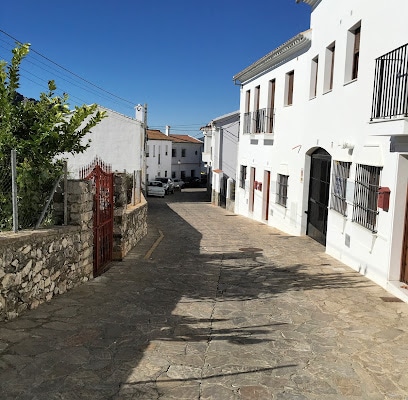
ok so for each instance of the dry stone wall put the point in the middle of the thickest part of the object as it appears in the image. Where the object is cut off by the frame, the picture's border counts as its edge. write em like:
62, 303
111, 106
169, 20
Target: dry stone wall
37, 265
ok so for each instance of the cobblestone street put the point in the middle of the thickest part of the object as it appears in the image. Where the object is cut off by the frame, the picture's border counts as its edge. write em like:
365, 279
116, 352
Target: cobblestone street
211, 305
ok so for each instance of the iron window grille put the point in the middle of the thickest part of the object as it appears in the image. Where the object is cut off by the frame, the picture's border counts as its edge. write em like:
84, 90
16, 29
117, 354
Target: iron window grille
242, 176
366, 196
282, 190
341, 172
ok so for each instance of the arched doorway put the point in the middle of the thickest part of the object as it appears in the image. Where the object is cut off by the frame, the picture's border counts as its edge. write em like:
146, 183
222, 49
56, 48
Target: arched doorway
318, 195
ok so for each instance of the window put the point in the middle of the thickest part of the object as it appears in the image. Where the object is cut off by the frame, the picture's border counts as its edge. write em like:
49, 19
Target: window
158, 162
147, 151
290, 77
183, 174
173, 174
173, 153
192, 174
196, 152
158, 174
329, 68
282, 189
271, 110
313, 78
242, 176
366, 196
165, 174
167, 149
247, 114
341, 172
353, 53
183, 152
356, 53
154, 151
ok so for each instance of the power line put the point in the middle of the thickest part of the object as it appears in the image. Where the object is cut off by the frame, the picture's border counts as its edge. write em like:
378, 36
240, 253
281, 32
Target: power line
70, 72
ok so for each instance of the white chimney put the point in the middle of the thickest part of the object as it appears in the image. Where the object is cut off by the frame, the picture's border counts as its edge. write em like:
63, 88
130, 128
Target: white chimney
140, 113
167, 130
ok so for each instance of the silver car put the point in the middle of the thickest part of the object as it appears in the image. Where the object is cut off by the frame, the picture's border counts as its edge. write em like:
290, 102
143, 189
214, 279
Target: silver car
167, 184
155, 188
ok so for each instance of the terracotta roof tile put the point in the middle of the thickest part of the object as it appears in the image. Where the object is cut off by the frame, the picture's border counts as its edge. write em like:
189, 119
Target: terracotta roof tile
155, 134
184, 139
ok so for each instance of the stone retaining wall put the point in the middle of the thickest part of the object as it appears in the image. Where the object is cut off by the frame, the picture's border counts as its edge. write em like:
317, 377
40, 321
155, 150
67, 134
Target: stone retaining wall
37, 265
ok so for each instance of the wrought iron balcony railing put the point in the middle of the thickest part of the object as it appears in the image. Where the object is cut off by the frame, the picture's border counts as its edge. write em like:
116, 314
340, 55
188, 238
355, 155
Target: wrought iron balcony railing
259, 121
247, 122
390, 94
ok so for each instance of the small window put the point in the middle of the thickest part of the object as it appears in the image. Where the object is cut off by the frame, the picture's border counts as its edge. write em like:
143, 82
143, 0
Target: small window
183, 175
290, 79
167, 149
242, 176
154, 151
313, 77
173, 153
165, 174
183, 152
341, 172
147, 151
282, 190
353, 53
329, 67
367, 183
173, 174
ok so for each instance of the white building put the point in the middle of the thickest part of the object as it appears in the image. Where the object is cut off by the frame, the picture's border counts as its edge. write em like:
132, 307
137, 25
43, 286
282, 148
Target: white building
324, 136
117, 140
186, 161
158, 155
220, 158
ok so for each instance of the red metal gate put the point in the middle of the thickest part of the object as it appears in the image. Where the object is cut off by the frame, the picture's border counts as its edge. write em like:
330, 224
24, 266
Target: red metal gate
102, 177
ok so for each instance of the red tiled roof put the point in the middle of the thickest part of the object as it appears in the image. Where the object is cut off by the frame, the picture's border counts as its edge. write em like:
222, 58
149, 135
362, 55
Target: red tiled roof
184, 139
155, 134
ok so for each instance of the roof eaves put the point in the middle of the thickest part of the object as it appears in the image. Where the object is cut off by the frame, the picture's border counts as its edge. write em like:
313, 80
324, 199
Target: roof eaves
312, 3
281, 53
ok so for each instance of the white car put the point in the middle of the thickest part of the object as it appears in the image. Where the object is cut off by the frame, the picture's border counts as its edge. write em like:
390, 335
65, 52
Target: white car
155, 188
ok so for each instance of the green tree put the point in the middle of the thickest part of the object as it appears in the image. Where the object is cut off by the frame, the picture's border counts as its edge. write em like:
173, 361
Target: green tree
41, 131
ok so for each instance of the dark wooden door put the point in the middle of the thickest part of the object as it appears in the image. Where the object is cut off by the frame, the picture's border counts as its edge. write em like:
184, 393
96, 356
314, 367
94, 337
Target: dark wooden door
319, 195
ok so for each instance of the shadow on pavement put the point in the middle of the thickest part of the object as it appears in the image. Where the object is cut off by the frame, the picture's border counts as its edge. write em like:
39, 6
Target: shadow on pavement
124, 330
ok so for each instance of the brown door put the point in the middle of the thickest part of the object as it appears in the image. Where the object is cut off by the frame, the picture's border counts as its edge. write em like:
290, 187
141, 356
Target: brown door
404, 258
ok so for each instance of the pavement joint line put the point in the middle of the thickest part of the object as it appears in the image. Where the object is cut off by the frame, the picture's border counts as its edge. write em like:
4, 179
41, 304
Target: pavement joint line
155, 244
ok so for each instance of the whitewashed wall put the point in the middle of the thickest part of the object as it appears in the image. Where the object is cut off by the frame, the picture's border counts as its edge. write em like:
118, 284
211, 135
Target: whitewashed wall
117, 140
327, 121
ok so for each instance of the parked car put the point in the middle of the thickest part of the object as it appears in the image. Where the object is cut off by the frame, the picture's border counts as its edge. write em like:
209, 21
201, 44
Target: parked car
167, 184
178, 183
193, 182
155, 188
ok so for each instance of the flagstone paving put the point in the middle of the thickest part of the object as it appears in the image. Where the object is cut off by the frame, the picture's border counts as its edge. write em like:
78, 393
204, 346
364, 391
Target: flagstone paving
211, 305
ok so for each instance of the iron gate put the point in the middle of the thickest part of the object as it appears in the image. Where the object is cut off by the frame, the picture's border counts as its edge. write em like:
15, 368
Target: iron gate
319, 195
101, 176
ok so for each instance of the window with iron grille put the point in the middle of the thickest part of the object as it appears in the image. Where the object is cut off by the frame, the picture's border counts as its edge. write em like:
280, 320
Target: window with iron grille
366, 196
242, 176
341, 172
282, 189
173, 153
183, 152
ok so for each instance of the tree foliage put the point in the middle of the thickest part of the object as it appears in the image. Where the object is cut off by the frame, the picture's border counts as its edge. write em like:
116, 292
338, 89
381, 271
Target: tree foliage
41, 131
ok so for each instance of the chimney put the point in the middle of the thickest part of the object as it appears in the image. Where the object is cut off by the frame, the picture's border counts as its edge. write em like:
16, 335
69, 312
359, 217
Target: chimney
140, 113
167, 130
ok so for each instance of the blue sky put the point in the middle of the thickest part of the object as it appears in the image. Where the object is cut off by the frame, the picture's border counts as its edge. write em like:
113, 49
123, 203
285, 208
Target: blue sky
178, 57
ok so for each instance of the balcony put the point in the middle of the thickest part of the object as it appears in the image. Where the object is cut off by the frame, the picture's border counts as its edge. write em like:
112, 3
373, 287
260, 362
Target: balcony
247, 122
390, 94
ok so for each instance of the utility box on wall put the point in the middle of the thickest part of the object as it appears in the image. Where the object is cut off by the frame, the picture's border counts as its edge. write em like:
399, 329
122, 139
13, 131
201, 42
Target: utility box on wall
384, 198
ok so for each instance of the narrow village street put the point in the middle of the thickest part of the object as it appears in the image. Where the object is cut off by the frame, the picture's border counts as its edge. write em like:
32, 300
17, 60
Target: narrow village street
211, 305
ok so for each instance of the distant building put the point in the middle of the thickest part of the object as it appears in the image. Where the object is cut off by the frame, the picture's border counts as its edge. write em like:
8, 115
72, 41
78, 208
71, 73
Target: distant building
158, 154
186, 160
220, 158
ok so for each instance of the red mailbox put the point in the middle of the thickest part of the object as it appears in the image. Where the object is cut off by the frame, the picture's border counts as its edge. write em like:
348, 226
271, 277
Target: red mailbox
384, 198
